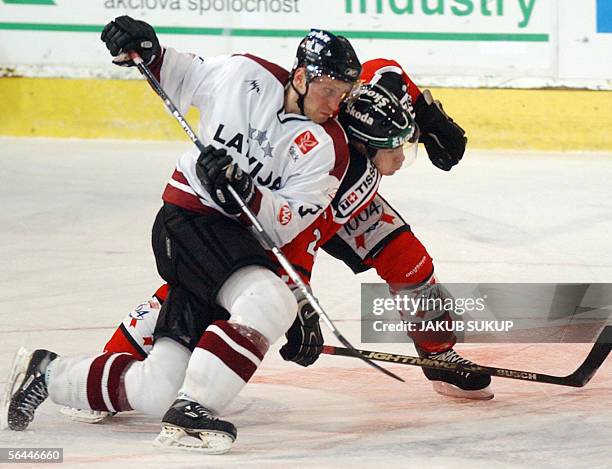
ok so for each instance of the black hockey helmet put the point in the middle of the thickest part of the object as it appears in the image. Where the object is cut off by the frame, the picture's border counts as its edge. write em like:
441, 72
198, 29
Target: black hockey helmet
375, 117
324, 53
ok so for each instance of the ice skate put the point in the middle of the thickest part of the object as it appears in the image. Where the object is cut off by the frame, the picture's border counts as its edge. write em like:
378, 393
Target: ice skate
26, 388
453, 383
187, 426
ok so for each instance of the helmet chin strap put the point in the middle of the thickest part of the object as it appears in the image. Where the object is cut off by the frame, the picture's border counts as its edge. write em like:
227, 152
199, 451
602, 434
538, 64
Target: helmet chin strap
300, 100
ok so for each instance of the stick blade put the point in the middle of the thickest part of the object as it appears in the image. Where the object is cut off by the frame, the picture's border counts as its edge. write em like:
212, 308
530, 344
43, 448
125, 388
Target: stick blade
594, 359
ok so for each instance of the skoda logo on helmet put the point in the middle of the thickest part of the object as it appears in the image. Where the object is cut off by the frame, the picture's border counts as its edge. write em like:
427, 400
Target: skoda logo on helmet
399, 141
379, 99
376, 117
362, 117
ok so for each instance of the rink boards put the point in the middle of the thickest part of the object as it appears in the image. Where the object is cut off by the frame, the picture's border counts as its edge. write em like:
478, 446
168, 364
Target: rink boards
552, 120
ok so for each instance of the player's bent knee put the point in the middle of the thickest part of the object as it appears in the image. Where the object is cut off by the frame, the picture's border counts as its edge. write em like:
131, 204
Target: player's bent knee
259, 299
151, 385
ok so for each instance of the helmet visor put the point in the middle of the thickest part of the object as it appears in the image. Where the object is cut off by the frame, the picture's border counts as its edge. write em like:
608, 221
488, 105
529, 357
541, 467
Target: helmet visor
410, 148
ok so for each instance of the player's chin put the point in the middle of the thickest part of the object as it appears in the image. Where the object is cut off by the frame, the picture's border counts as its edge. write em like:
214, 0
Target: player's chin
321, 117
391, 169
397, 166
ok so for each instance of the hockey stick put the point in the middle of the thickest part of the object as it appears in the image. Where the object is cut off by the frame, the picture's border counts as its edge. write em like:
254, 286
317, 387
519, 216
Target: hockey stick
264, 238
577, 379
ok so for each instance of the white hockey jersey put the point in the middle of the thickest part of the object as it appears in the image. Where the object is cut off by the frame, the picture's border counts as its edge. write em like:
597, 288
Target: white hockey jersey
295, 163
354, 199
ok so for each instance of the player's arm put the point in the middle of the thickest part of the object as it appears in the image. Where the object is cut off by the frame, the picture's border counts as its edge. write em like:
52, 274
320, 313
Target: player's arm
443, 138
285, 212
304, 337
358, 188
321, 161
180, 74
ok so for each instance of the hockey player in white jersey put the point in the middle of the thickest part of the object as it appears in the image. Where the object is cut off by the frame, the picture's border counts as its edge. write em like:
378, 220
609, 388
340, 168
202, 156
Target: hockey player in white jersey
364, 231
375, 236
378, 238
271, 135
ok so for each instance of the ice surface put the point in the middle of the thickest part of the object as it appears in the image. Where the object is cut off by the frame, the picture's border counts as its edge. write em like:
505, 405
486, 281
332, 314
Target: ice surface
74, 236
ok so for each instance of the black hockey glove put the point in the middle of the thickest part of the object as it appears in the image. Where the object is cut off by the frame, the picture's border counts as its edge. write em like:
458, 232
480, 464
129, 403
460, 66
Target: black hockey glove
304, 337
444, 140
125, 34
215, 171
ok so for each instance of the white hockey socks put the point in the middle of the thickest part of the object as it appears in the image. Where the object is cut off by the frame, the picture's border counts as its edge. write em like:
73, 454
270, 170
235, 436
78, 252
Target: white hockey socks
115, 382
151, 385
262, 308
222, 363
90, 382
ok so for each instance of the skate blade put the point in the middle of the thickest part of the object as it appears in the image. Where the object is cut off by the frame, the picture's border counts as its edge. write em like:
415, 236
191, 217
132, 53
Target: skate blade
450, 390
176, 439
18, 370
85, 415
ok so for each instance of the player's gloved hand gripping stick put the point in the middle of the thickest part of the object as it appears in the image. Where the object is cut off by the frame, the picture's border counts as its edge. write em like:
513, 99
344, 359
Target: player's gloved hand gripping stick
263, 237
